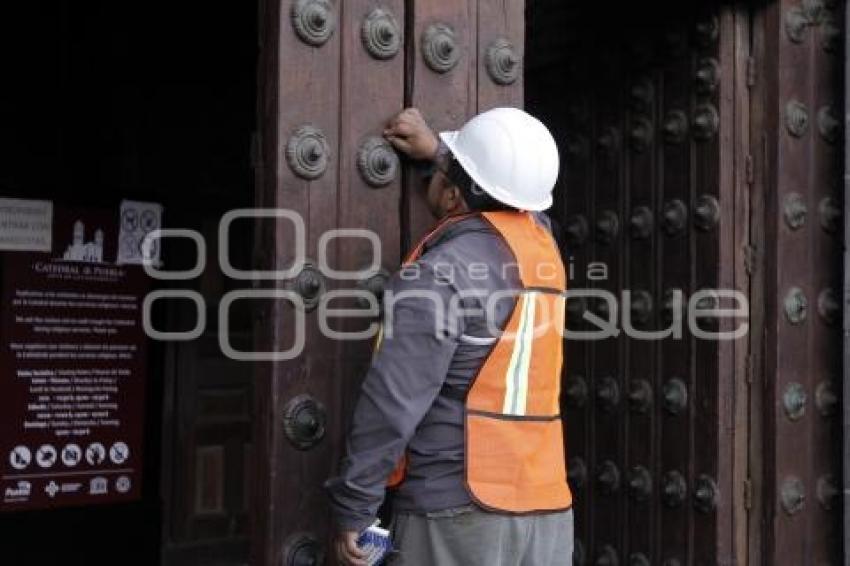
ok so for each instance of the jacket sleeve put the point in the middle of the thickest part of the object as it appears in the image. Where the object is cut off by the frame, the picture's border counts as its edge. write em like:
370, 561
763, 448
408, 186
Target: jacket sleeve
407, 372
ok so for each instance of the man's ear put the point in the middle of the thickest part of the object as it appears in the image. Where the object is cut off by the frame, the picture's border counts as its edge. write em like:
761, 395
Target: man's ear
454, 199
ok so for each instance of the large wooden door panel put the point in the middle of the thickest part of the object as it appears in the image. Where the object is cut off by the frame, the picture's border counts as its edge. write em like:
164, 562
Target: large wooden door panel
333, 73
799, 106
299, 141
673, 124
644, 103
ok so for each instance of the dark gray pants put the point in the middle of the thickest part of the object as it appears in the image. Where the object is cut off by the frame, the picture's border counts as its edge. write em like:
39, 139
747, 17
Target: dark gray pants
469, 536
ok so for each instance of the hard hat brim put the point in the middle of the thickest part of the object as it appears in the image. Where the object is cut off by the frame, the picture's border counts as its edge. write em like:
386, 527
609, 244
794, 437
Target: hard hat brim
501, 194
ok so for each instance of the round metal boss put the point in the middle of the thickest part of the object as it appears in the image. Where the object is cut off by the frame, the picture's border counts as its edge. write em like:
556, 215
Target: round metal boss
829, 124
608, 142
796, 306
640, 483
673, 305
607, 556
377, 162
381, 34
304, 422
830, 35
314, 21
707, 31
640, 134
795, 210
302, 549
308, 153
792, 495
707, 77
796, 24
310, 284
674, 396
608, 478
675, 127
827, 491
641, 95
675, 217
375, 285
577, 229
829, 307
640, 307
579, 557
439, 48
674, 489
503, 63
706, 213
794, 401
576, 391
706, 121
641, 223
640, 396
830, 215
796, 118
576, 473
608, 394
826, 399
814, 11
705, 494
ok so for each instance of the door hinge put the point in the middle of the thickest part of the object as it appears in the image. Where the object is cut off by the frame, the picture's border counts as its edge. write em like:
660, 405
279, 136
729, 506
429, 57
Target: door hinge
748, 493
751, 71
750, 258
749, 169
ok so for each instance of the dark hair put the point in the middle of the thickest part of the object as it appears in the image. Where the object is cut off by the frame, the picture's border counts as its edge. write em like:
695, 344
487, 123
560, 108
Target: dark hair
476, 198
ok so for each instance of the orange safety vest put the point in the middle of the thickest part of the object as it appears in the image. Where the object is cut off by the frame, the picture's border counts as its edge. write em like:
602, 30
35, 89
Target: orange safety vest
515, 459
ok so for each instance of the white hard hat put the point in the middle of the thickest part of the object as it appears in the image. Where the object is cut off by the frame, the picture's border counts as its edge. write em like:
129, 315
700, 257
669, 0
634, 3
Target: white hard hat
510, 155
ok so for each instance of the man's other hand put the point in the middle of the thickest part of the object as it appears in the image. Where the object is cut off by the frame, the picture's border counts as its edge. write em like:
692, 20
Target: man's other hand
347, 551
409, 133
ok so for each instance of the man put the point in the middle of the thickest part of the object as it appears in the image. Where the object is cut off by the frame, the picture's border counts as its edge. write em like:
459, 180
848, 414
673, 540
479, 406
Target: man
461, 404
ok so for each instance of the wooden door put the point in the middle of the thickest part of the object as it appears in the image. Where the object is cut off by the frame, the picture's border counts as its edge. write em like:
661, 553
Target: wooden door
333, 72
208, 427
650, 105
699, 153
702, 150
798, 114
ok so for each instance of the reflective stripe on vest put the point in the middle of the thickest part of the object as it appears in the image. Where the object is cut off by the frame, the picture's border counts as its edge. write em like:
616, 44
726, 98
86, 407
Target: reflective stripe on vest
514, 445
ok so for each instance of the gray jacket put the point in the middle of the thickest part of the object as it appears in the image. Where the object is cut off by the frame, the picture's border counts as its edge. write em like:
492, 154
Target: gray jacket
411, 398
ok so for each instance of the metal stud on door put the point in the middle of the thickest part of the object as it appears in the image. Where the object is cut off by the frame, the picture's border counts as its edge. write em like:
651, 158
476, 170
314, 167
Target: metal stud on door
440, 48
302, 549
304, 421
308, 152
381, 34
310, 284
377, 162
314, 21
503, 63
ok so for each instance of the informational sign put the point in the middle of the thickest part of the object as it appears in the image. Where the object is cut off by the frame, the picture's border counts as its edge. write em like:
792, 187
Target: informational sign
138, 219
26, 225
72, 368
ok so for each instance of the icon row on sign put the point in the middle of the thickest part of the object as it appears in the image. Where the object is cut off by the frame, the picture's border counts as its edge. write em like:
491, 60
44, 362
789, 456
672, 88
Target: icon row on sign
46, 456
97, 486
100, 485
